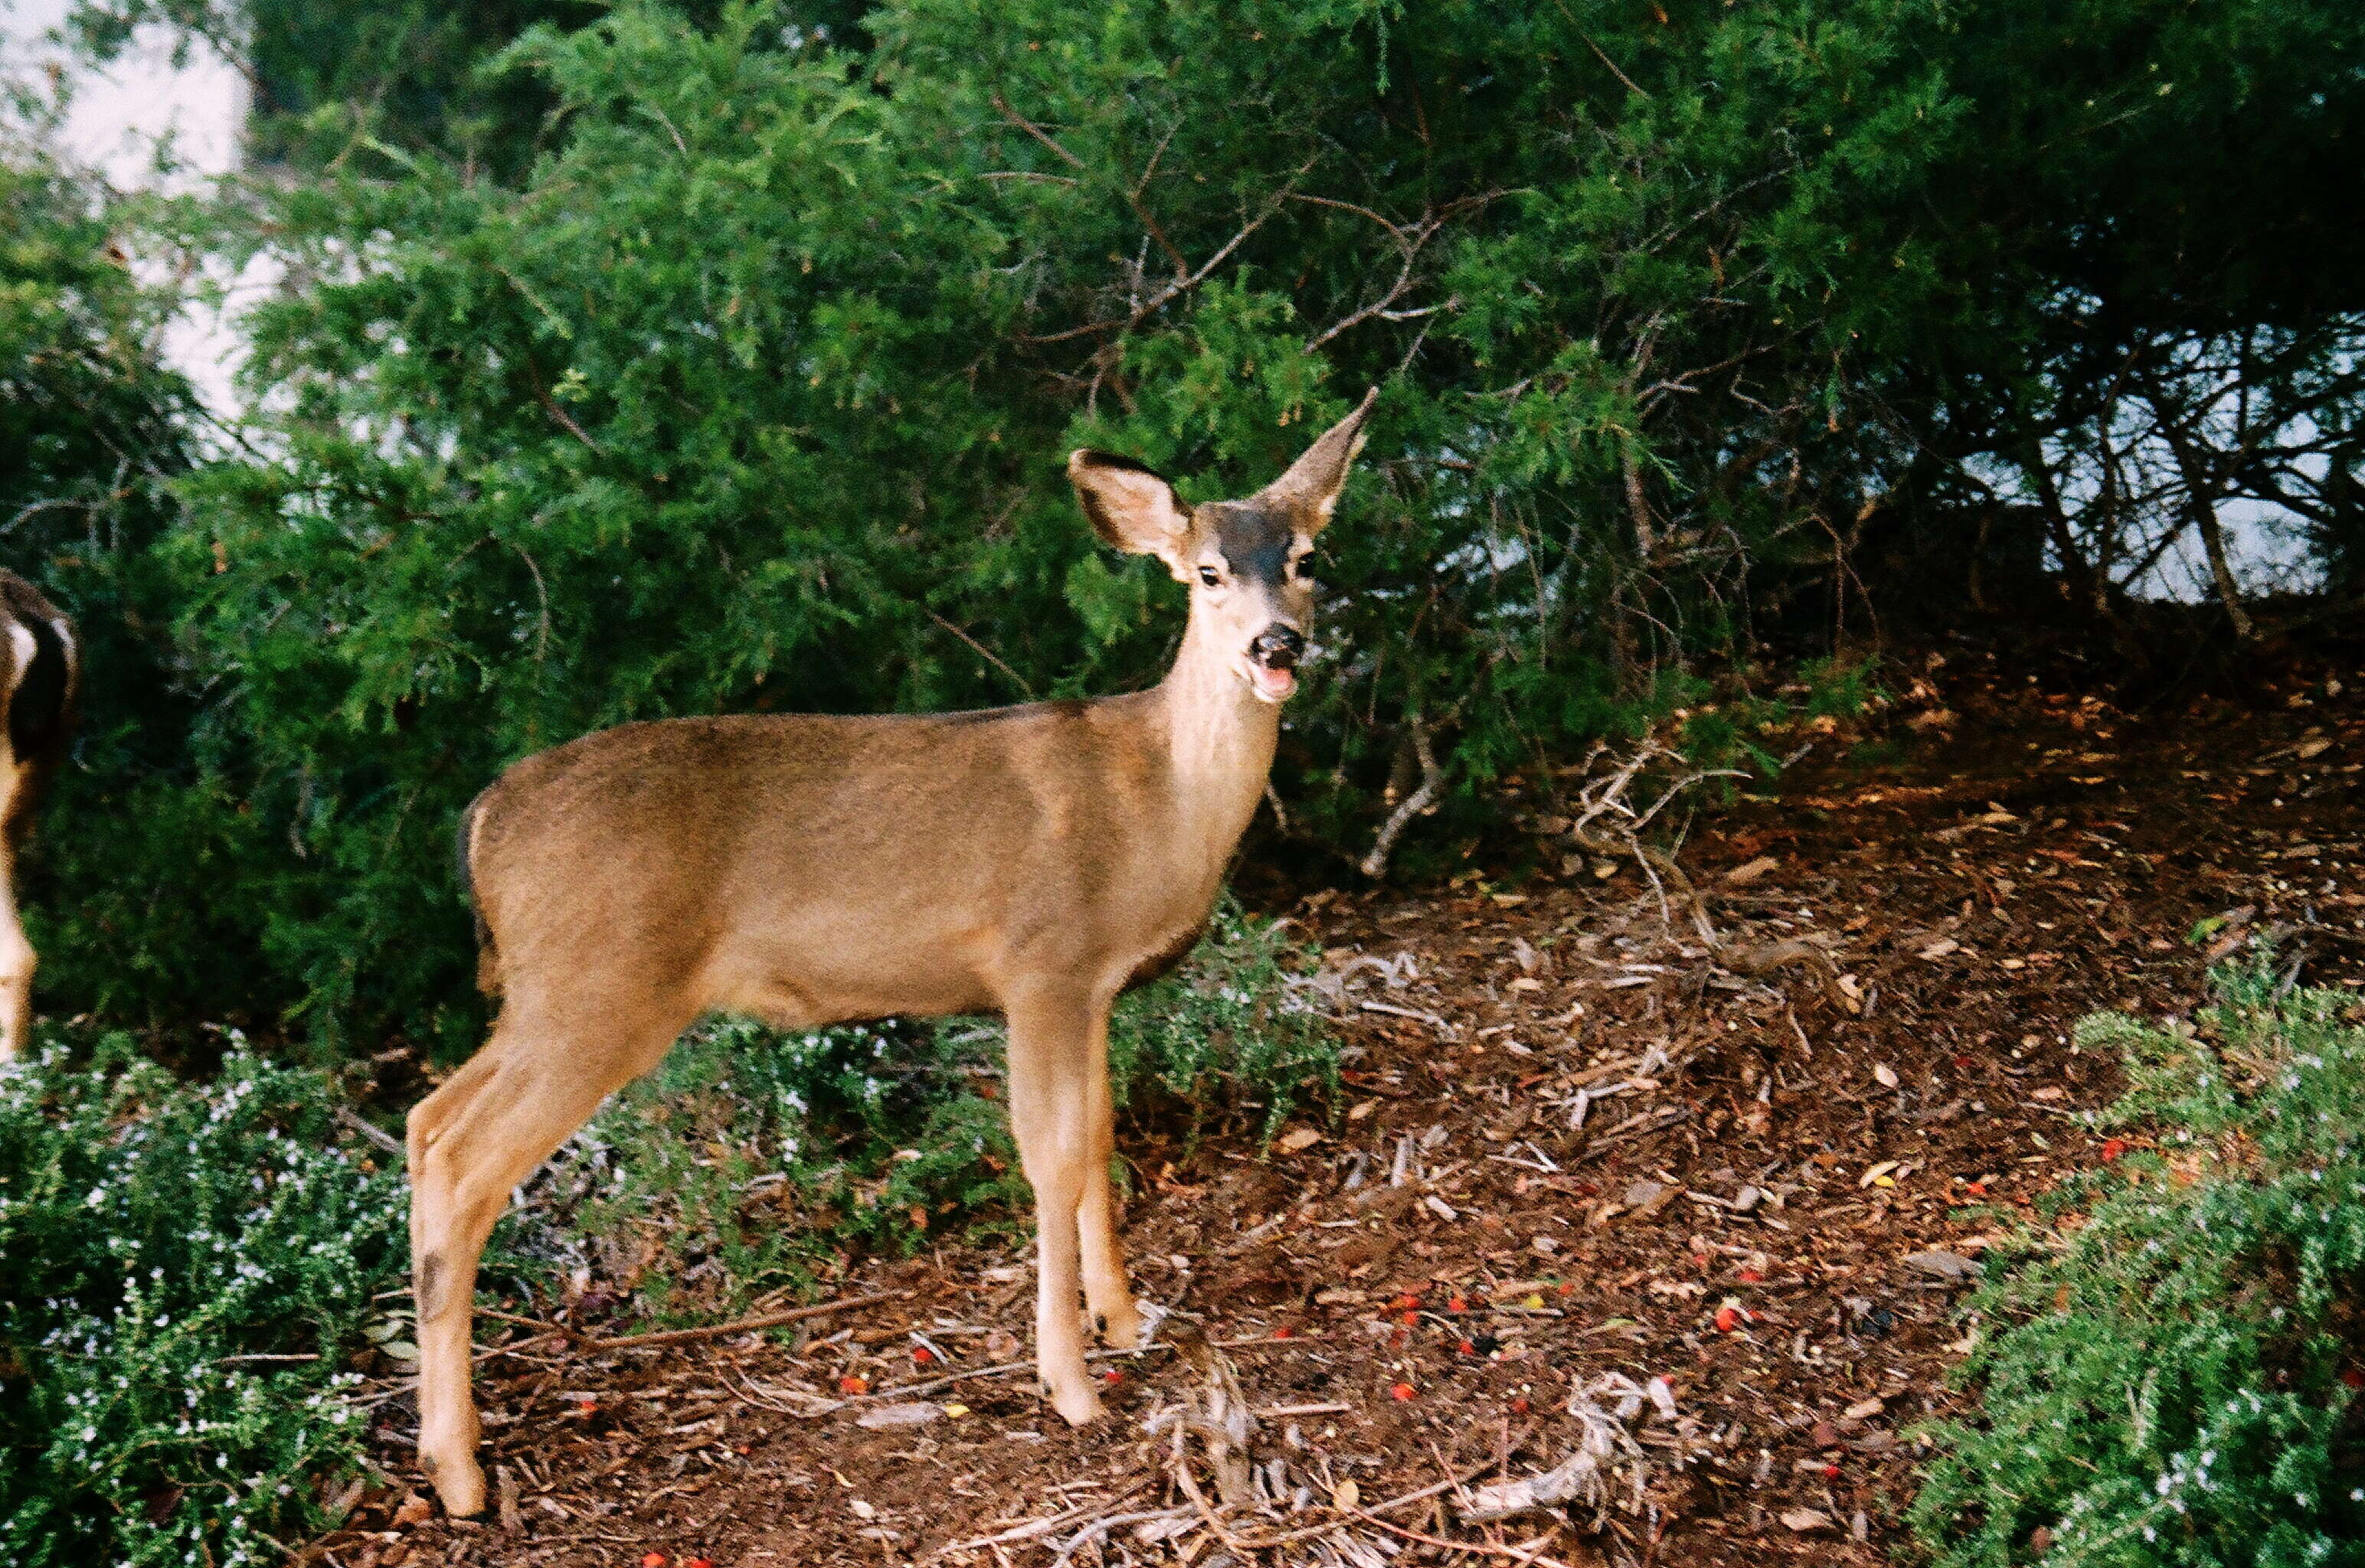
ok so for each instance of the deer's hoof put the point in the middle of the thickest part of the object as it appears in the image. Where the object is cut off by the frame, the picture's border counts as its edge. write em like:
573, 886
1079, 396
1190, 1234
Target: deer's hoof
1077, 1406
457, 1481
1121, 1329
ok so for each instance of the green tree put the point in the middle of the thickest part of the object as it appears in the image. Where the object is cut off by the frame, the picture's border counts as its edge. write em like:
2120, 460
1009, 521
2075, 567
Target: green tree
123, 871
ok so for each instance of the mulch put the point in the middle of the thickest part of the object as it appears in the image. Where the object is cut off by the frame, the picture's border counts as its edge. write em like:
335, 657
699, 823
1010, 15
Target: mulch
1714, 1210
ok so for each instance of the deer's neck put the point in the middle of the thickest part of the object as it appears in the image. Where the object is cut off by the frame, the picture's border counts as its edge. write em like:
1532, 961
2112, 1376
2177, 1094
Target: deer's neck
1220, 743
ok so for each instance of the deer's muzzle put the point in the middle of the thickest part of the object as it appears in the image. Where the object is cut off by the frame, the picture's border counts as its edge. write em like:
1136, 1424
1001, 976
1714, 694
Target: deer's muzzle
1273, 661
1278, 646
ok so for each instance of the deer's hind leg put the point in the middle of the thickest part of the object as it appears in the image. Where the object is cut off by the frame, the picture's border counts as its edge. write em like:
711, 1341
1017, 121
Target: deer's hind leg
472, 1141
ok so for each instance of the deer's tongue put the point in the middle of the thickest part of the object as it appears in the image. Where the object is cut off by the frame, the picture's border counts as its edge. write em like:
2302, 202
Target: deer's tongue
1272, 685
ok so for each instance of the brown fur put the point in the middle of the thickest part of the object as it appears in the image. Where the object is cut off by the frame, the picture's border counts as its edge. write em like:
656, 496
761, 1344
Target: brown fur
1032, 861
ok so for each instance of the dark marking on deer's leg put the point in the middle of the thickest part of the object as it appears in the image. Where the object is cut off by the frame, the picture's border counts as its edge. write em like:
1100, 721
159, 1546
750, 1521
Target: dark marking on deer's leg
428, 1465
1100, 1322
427, 1289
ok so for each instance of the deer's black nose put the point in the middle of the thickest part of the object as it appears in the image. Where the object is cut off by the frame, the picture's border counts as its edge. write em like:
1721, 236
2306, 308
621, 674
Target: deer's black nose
1278, 646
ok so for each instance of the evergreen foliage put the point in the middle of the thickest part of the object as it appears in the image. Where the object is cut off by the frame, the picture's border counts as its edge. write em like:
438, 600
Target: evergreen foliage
2175, 1386
187, 1271
119, 888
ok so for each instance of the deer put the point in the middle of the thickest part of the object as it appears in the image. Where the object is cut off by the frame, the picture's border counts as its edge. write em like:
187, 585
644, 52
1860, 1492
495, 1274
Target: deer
1032, 861
40, 672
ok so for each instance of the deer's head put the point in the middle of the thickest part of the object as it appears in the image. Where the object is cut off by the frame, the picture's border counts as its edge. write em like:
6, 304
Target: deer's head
1248, 561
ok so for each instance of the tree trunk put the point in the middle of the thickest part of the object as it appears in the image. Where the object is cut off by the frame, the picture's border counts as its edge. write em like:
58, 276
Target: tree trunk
2201, 505
2083, 580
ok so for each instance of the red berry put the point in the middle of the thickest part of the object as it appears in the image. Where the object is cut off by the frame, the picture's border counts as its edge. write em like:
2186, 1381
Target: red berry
1402, 1390
921, 1354
1466, 1347
1750, 1276
850, 1383
1112, 1377
1280, 1333
1520, 1405
2113, 1147
1455, 1304
1727, 1318
653, 1560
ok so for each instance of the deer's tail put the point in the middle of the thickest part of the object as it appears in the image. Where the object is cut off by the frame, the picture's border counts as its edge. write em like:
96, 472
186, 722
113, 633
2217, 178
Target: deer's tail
488, 968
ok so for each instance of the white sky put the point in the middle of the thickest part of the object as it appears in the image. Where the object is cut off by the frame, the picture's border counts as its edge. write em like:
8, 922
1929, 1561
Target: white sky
115, 122
118, 115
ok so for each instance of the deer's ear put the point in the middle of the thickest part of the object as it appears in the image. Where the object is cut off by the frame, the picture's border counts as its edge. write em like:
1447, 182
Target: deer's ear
1130, 506
1311, 487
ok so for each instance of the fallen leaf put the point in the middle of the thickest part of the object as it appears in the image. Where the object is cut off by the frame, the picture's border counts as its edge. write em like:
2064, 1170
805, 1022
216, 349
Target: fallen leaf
1885, 1074
1941, 948
918, 1413
1345, 1495
1297, 1140
415, 1510
1951, 1266
1865, 1409
1806, 1519
1742, 875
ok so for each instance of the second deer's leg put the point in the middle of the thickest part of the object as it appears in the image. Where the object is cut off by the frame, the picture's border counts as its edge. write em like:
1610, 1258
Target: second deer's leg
471, 1142
16, 962
1054, 1056
1105, 1291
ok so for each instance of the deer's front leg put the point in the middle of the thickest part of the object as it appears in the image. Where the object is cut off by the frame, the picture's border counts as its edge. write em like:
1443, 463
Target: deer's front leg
16, 962
1054, 1060
1105, 1291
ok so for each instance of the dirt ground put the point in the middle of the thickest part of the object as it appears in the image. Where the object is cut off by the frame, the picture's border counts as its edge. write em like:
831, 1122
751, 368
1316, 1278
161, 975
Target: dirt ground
1593, 1181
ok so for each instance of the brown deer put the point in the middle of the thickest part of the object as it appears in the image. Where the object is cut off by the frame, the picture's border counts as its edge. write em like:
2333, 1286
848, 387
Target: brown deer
39, 669
1034, 861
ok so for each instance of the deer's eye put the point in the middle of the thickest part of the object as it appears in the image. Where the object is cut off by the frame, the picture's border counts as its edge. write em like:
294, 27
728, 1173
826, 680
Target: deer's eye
1304, 566
1207, 575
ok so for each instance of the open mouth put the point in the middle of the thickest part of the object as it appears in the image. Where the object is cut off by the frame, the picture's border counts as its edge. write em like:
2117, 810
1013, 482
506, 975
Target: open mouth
1272, 684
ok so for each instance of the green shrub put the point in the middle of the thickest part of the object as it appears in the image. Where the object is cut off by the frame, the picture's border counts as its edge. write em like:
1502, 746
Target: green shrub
185, 1272
1225, 1034
2174, 1387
